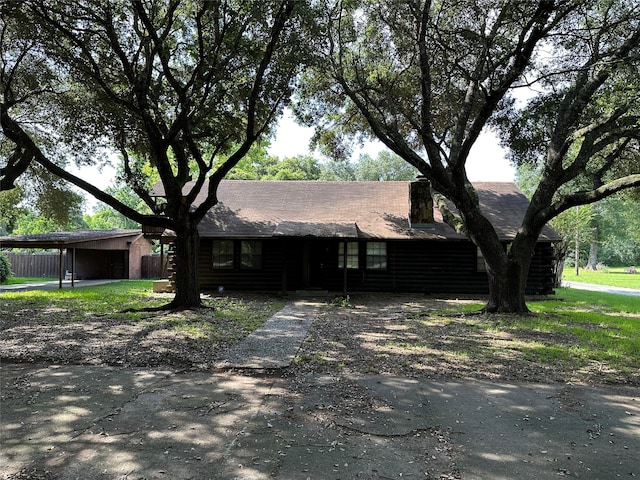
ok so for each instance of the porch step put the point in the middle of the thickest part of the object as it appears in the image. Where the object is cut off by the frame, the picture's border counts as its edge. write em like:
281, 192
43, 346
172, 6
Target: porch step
163, 286
312, 292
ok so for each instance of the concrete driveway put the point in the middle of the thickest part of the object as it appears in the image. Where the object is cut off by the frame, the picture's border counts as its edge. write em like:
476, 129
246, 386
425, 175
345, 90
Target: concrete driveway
602, 288
53, 285
89, 422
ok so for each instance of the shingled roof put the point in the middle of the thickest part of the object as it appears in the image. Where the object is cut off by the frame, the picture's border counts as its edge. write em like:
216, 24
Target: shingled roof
369, 210
72, 239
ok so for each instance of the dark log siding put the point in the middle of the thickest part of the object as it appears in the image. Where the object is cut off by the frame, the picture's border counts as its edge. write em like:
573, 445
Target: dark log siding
267, 278
425, 267
541, 273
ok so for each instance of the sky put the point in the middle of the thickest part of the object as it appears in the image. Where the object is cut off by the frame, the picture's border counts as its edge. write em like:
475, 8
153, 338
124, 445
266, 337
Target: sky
487, 161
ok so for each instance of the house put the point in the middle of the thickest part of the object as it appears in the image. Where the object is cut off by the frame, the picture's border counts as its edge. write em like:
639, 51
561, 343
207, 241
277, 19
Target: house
90, 254
353, 236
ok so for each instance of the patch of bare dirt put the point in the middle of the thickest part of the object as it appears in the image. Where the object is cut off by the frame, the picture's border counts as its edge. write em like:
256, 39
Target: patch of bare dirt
409, 335
425, 337
188, 339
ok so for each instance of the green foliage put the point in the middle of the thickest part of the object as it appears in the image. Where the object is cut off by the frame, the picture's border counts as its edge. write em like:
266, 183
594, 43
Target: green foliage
344, 302
10, 209
30, 223
5, 268
259, 165
64, 207
387, 166
613, 219
272, 168
105, 217
574, 225
295, 168
333, 171
619, 237
39, 203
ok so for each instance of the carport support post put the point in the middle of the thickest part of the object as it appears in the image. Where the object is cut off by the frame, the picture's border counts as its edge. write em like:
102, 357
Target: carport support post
60, 269
344, 269
73, 267
161, 273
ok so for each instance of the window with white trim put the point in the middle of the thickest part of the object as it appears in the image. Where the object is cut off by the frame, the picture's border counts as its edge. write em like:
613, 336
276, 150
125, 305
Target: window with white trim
222, 254
377, 255
251, 254
352, 255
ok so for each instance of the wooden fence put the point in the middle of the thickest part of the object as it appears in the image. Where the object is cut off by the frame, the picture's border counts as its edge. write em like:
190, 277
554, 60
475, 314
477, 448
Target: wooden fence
46, 265
151, 266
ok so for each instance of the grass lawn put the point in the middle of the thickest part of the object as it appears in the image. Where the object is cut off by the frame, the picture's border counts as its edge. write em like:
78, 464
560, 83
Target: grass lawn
602, 330
92, 325
615, 277
112, 299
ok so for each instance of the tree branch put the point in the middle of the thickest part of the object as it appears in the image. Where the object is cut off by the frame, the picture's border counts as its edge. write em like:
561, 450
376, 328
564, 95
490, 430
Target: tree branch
590, 196
17, 135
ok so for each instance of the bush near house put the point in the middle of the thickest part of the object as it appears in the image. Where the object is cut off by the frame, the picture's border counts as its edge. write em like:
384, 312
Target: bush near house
5, 268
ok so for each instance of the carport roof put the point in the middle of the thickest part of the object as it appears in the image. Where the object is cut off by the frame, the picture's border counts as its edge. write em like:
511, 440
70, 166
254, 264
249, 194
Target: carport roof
64, 239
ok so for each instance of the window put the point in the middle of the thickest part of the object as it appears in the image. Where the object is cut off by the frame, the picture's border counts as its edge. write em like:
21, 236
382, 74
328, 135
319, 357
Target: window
251, 254
352, 255
377, 255
223, 254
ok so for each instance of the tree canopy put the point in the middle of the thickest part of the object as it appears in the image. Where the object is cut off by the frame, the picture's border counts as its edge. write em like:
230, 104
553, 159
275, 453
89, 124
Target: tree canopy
426, 78
184, 88
169, 84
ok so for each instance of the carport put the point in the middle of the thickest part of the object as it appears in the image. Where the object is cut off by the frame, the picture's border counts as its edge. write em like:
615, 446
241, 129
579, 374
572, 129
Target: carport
90, 253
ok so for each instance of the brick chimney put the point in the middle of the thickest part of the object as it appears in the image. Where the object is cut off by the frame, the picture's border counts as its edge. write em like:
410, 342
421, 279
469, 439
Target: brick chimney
421, 205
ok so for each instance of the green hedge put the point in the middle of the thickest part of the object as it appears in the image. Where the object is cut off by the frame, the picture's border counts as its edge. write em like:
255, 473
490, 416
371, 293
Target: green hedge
5, 268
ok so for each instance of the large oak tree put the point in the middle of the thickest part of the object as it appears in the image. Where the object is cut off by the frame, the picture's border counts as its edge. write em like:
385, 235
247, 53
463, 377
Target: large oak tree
427, 77
172, 85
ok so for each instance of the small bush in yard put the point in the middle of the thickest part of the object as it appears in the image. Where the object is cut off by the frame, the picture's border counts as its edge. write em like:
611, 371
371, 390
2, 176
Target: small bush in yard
5, 268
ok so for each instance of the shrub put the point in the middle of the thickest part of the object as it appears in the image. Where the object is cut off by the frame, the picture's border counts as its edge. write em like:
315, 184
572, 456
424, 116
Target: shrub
5, 268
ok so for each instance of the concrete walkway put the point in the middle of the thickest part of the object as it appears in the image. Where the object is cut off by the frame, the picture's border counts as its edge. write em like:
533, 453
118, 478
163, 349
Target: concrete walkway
276, 342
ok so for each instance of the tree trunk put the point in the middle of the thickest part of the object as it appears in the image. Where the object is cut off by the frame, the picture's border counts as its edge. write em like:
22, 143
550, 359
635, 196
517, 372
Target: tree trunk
507, 286
187, 283
592, 262
560, 250
508, 276
577, 257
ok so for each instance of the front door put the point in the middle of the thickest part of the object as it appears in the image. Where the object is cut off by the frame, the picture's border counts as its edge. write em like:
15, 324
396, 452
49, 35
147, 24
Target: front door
314, 256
